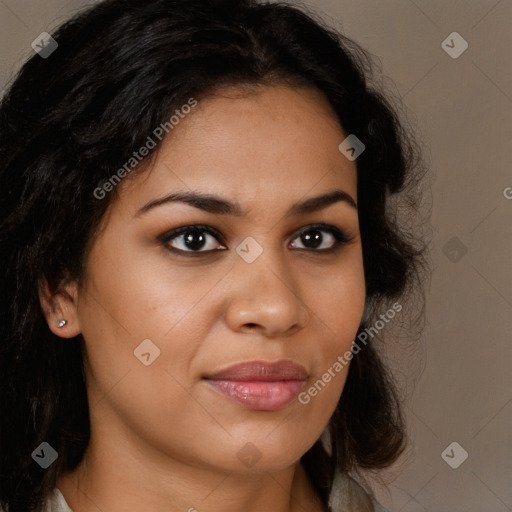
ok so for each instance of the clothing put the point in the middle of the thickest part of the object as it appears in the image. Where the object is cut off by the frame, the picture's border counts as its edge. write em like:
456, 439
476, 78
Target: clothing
57, 503
346, 496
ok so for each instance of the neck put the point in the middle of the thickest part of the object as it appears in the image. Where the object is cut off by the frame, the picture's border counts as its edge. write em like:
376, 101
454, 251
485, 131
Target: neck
115, 476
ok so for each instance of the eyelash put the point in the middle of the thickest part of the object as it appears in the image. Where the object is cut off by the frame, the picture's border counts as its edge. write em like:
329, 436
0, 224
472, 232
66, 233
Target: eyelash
341, 238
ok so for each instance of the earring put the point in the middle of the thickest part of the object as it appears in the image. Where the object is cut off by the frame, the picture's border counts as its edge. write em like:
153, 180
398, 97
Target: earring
62, 323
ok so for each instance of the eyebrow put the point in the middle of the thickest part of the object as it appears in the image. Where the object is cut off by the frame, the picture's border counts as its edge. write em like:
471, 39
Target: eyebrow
219, 206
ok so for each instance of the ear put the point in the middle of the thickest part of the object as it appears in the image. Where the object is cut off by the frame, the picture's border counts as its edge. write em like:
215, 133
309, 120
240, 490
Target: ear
60, 304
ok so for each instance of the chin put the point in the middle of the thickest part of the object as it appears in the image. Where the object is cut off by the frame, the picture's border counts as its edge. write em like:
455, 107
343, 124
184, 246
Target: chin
253, 453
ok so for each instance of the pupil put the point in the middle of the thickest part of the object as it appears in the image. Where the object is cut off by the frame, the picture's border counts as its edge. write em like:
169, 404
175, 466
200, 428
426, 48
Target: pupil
194, 240
313, 238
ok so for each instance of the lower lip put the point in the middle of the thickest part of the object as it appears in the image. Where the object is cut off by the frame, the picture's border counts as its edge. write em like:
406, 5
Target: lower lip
259, 395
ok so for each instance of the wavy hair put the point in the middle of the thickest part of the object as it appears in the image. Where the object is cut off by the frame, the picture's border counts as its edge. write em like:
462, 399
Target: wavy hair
68, 123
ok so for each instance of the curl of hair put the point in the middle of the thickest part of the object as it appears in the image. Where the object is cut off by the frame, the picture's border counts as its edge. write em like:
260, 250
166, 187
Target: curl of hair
69, 122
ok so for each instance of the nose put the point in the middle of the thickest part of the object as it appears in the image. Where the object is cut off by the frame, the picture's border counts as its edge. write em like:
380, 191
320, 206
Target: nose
265, 297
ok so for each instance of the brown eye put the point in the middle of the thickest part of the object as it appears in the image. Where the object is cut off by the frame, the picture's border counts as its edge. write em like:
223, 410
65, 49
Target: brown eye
321, 238
192, 239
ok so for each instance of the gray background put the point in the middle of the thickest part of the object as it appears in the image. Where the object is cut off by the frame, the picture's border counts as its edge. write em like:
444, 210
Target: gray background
461, 109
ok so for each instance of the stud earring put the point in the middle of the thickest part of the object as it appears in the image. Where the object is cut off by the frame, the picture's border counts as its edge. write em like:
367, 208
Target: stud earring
62, 323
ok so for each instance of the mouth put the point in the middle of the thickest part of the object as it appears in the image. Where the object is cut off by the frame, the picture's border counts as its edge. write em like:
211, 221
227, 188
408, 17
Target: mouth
260, 385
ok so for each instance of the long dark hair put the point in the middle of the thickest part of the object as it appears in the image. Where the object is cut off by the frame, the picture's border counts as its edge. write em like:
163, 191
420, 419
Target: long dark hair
68, 123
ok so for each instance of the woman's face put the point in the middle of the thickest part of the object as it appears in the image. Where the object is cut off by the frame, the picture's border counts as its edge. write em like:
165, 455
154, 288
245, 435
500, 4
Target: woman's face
245, 287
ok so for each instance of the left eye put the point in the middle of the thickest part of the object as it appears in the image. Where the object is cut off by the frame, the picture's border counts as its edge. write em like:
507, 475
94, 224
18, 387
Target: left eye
314, 238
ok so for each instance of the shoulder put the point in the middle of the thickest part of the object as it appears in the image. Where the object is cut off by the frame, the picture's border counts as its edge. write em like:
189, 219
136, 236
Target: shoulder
348, 495
56, 503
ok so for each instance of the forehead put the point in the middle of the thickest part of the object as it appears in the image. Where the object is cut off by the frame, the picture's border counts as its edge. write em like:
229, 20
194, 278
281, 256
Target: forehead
261, 145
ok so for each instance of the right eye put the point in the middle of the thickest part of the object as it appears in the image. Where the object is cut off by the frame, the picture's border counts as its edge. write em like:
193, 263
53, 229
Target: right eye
192, 240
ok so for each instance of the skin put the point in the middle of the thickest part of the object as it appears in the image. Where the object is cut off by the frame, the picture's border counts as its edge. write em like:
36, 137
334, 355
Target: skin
161, 438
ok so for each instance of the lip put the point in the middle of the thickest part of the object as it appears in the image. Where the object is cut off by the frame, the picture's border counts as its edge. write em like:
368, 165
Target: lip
260, 385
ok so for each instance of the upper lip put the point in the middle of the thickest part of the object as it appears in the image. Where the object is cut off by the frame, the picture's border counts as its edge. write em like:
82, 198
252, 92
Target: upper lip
269, 371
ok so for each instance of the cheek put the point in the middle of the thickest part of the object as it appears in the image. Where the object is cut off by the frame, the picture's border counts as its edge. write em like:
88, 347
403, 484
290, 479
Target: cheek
338, 300
338, 315
125, 305
142, 292
131, 298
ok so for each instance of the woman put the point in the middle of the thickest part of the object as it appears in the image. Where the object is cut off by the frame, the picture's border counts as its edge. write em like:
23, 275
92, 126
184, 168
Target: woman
197, 243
